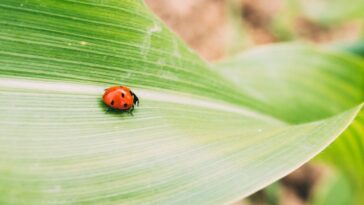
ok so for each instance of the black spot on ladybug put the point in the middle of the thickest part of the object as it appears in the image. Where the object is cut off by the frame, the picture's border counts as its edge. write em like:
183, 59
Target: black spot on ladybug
131, 93
125, 105
122, 95
112, 102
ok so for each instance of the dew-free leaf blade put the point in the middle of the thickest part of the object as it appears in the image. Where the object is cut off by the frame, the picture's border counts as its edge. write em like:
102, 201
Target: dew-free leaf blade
196, 138
66, 147
300, 83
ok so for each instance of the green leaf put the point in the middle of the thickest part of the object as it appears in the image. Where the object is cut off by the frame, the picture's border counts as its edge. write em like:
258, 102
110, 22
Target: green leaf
356, 47
331, 11
196, 138
335, 185
316, 84
346, 155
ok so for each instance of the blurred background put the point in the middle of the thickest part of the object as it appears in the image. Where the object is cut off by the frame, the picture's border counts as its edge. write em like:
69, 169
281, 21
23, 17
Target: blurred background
220, 28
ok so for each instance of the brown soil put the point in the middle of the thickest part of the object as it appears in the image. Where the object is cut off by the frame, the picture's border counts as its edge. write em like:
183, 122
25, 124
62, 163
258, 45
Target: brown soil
200, 23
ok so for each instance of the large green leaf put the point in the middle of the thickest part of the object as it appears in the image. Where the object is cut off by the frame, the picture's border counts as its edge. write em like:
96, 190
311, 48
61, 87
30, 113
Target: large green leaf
316, 84
335, 185
196, 138
346, 155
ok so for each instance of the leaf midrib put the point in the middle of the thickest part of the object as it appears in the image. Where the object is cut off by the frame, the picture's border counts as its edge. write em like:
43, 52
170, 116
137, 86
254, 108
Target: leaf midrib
144, 94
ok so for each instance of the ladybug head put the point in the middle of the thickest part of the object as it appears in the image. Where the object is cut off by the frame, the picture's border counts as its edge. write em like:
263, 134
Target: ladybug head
136, 99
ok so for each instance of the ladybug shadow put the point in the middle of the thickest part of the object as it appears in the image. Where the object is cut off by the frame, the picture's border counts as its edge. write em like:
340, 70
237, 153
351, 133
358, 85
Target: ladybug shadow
111, 111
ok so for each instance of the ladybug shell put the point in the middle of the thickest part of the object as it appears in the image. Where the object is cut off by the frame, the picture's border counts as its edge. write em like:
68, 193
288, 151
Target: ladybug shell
118, 97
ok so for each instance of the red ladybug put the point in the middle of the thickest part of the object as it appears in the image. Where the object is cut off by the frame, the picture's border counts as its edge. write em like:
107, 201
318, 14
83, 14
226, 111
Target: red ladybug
120, 98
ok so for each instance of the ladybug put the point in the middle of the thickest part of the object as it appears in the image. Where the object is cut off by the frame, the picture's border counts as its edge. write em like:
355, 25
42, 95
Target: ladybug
120, 98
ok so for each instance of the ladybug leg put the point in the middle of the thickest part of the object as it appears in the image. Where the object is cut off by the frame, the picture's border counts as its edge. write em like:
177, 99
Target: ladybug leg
131, 110
108, 110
